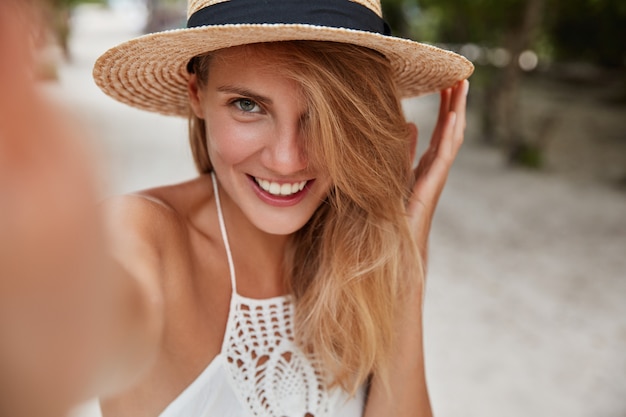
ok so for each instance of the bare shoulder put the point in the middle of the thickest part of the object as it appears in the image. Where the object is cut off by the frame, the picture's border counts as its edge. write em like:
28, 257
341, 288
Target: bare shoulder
136, 219
151, 226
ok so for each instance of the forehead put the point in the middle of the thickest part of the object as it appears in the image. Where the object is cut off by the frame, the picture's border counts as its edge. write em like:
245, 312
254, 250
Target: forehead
266, 57
265, 68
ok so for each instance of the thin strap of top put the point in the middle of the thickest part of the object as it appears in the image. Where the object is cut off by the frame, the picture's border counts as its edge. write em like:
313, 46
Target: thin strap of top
220, 218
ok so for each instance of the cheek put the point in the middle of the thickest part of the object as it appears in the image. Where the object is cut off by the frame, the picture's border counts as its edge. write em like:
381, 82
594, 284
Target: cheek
232, 142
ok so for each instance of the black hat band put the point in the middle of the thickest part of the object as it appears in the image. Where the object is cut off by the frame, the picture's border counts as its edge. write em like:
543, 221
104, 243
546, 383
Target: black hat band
329, 13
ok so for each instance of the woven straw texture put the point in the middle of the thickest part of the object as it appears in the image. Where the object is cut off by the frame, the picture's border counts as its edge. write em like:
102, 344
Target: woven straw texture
150, 72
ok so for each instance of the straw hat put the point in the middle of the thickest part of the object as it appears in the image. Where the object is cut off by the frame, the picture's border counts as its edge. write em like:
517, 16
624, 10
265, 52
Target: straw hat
150, 72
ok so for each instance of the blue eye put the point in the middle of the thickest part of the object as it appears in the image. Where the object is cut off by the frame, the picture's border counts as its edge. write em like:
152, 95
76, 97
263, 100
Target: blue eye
246, 105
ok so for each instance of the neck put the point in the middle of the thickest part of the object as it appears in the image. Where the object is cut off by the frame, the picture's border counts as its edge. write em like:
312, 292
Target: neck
258, 256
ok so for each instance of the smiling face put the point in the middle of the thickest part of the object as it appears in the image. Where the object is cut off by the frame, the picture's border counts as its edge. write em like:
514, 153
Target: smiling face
343, 262
254, 117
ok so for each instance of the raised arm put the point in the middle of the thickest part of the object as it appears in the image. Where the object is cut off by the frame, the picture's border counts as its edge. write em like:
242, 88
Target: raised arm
409, 393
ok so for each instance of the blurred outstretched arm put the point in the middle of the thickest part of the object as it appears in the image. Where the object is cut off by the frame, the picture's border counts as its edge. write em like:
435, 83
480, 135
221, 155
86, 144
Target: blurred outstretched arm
74, 317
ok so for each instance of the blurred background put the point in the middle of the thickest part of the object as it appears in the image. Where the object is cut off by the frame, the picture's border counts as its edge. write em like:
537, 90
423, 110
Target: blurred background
526, 302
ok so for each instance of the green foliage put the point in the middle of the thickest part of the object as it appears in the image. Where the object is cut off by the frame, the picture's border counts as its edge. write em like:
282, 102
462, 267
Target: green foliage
591, 30
456, 21
563, 30
526, 155
395, 14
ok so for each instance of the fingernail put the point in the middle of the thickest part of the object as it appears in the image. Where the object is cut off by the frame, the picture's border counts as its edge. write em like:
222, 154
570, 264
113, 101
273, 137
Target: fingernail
466, 87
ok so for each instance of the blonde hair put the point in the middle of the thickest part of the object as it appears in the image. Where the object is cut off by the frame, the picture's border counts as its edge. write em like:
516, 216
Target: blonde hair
347, 265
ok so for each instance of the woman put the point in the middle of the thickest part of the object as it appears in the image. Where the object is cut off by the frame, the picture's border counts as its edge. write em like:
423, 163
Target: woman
287, 279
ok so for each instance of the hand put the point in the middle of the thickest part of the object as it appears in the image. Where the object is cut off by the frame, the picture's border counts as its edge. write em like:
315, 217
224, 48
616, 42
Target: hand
434, 165
48, 331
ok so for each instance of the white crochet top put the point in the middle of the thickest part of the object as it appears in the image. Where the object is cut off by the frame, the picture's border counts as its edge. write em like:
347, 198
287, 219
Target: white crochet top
260, 371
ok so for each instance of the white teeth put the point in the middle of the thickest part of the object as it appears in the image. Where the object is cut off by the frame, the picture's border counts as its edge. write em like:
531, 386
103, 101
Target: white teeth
285, 189
274, 188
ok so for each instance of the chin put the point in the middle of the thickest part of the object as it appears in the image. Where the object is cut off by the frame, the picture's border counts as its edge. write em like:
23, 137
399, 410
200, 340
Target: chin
281, 224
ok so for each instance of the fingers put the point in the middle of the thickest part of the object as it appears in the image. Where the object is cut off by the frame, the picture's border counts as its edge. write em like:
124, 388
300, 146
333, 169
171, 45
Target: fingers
434, 165
453, 131
453, 99
444, 108
459, 107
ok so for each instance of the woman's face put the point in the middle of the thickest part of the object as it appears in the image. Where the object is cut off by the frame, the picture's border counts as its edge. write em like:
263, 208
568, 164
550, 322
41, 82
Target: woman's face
254, 119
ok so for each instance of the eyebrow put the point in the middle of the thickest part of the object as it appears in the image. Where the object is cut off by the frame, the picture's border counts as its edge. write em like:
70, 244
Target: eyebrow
233, 89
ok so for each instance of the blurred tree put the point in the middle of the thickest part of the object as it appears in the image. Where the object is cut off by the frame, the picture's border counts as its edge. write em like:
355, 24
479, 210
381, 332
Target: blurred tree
512, 25
61, 23
59, 17
165, 14
396, 15
480, 21
589, 30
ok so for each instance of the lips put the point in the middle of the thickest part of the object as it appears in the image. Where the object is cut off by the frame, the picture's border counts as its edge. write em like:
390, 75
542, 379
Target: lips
271, 192
285, 189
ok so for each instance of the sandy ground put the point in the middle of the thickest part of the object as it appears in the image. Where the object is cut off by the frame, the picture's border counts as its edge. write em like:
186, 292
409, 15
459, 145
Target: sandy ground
526, 303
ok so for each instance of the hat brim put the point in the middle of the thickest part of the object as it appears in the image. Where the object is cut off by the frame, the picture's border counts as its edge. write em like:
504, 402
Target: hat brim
150, 72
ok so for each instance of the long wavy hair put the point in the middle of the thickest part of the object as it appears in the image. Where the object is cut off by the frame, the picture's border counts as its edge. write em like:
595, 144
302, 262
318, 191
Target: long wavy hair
348, 266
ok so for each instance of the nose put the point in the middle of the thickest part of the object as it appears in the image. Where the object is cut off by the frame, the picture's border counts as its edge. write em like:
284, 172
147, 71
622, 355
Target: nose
284, 152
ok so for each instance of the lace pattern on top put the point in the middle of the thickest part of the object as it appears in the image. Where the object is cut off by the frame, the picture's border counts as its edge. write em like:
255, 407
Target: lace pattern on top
270, 372
267, 369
